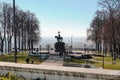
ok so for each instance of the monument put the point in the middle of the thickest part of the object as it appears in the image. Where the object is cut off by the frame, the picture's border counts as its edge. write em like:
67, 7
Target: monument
59, 45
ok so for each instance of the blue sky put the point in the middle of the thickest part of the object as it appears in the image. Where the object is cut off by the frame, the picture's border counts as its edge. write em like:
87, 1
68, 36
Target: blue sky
70, 17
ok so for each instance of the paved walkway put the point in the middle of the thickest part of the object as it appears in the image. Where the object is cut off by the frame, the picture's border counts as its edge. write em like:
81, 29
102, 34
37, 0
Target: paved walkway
53, 60
62, 68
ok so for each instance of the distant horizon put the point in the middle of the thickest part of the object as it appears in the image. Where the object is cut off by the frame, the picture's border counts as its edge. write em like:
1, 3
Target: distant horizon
77, 42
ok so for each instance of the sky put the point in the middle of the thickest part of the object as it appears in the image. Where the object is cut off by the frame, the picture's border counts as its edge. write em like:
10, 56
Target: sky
70, 17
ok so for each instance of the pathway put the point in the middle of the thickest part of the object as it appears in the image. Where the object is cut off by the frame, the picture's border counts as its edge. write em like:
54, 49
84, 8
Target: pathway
53, 60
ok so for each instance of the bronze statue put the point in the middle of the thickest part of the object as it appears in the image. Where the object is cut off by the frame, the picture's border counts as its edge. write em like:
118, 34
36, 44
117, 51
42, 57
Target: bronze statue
59, 45
59, 38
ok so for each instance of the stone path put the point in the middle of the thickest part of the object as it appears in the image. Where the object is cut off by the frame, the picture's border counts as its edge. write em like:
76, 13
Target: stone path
53, 60
61, 68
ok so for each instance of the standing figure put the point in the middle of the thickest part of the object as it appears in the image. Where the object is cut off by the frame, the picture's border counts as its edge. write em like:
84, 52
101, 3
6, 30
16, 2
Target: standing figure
27, 60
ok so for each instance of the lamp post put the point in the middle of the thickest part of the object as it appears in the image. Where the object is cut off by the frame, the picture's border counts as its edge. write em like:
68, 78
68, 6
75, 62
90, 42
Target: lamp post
102, 16
103, 49
103, 57
15, 41
85, 48
40, 48
40, 52
71, 43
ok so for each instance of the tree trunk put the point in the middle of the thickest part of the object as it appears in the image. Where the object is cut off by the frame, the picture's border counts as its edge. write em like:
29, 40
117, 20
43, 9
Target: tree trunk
22, 38
2, 46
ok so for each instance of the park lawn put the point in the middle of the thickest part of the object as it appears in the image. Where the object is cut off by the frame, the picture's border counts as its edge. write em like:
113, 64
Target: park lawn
97, 61
21, 58
75, 61
107, 58
107, 63
72, 60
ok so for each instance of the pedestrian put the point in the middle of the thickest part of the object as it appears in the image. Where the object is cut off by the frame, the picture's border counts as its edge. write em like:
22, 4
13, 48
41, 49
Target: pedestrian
27, 60
32, 62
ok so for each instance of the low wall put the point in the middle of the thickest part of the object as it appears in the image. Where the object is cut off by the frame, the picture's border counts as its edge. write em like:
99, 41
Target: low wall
31, 71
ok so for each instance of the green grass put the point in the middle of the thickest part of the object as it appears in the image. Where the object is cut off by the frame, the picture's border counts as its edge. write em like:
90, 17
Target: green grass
21, 58
97, 61
106, 58
107, 63
76, 61
108, 66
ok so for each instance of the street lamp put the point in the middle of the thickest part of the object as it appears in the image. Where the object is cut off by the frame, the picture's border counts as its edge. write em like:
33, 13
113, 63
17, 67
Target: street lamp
15, 41
48, 48
85, 48
71, 43
40, 51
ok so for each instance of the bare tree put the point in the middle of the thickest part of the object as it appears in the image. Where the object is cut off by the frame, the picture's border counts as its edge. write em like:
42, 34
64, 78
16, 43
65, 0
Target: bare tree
25, 29
95, 30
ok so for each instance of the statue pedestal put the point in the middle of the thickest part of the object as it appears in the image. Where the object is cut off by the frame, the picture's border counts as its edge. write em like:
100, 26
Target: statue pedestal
59, 47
